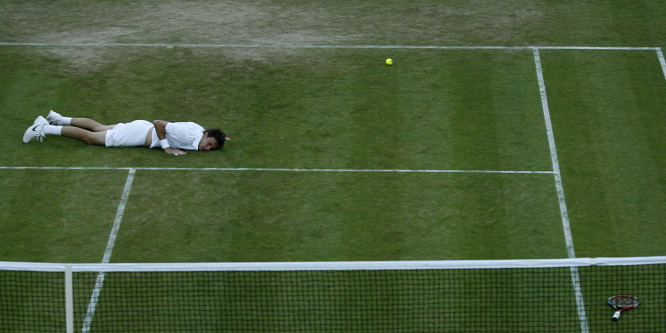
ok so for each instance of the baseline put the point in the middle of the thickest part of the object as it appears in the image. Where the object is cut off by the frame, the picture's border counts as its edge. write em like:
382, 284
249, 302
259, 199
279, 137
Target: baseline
323, 46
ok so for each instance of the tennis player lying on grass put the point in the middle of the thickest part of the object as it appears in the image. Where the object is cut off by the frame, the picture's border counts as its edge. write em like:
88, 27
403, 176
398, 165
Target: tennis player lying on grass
172, 137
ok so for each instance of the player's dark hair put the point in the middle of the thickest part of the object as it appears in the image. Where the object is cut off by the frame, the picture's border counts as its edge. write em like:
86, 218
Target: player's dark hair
219, 136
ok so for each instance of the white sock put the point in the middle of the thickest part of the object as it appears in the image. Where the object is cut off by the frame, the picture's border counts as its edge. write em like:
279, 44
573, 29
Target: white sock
65, 120
52, 129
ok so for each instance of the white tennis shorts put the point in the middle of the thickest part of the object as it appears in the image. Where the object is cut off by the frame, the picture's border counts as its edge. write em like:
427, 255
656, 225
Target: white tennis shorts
128, 135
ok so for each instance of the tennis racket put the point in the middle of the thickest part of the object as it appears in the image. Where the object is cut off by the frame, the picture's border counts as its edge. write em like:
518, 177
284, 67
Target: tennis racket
622, 303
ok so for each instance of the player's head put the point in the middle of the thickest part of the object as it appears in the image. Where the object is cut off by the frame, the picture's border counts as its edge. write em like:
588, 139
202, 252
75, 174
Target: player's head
213, 139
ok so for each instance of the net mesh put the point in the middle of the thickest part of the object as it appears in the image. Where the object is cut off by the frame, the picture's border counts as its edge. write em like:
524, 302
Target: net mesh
32, 301
536, 299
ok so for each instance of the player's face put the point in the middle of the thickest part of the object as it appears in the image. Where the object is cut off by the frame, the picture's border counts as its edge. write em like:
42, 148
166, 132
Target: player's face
207, 143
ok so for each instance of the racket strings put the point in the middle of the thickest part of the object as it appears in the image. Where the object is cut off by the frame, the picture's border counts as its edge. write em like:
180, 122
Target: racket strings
623, 302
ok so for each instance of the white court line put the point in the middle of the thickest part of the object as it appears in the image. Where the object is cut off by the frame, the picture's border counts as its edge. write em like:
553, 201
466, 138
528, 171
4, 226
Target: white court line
92, 305
575, 278
278, 170
662, 61
553, 157
287, 46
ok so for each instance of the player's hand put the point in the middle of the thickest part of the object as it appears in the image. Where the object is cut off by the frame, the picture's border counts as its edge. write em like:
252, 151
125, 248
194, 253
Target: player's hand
174, 151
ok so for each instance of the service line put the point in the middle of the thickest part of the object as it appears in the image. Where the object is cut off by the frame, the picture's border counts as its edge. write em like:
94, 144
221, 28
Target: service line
278, 170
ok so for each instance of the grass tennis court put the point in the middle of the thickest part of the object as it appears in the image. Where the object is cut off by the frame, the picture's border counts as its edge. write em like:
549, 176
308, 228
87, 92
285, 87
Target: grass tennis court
335, 156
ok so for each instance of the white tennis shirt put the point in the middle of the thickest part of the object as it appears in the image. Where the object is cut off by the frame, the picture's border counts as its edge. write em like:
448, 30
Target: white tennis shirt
181, 135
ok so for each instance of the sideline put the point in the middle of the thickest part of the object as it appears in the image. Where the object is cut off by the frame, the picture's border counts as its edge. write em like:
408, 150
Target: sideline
99, 282
575, 278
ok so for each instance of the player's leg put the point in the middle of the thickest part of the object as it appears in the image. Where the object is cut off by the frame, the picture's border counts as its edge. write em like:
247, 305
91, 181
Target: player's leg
40, 128
89, 137
132, 134
91, 125
55, 118
84, 129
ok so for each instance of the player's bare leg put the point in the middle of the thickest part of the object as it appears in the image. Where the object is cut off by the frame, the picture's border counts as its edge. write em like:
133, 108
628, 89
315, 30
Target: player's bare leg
89, 137
55, 118
91, 125
84, 129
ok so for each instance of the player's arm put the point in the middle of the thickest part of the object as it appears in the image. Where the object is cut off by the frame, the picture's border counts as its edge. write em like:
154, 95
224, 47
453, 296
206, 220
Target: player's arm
160, 130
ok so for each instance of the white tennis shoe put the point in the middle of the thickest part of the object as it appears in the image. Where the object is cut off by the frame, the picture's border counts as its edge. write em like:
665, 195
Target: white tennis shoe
36, 130
54, 118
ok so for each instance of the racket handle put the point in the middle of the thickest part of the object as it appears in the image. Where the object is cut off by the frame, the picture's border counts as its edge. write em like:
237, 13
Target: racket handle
616, 316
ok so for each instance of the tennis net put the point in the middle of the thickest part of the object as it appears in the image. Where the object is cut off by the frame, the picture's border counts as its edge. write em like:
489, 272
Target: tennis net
552, 295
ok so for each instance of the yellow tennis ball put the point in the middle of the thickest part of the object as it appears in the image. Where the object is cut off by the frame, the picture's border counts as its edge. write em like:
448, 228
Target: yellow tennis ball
389, 61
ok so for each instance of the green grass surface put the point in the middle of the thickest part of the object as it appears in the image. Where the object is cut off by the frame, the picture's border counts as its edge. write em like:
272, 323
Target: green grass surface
58, 210
485, 118
442, 109
287, 102
339, 216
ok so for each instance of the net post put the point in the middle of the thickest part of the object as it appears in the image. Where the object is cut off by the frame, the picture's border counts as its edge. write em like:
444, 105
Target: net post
69, 299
